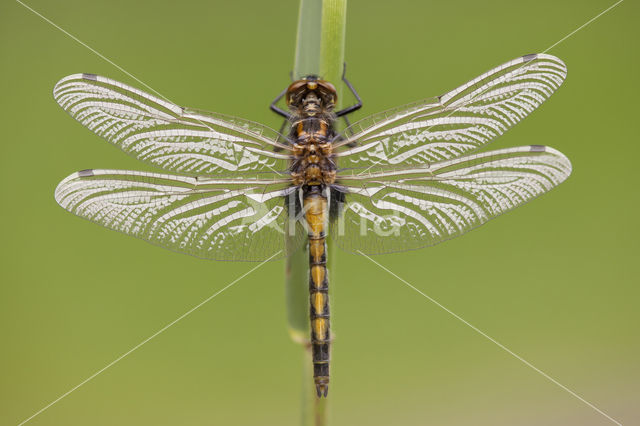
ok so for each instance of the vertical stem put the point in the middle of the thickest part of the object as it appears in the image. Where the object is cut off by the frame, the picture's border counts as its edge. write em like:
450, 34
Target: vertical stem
319, 51
307, 59
334, 26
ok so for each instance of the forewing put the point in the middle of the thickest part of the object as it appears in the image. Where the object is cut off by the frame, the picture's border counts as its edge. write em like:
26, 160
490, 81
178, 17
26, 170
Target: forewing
417, 207
235, 219
453, 124
167, 135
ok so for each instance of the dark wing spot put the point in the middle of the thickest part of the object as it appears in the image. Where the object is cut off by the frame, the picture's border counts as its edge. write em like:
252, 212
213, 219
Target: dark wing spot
530, 57
538, 148
85, 173
90, 77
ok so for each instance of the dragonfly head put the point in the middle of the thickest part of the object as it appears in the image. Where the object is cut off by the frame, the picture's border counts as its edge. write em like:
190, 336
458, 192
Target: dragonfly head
311, 95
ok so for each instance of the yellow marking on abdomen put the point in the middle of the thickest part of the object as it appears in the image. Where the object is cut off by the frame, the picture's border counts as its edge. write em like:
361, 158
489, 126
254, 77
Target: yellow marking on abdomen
317, 275
316, 249
319, 300
316, 211
320, 328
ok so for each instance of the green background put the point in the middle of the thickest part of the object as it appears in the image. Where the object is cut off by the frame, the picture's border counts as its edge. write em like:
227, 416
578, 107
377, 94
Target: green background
555, 281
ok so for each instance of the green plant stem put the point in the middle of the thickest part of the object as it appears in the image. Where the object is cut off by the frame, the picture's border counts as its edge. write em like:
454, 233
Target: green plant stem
319, 51
334, 27
307, 58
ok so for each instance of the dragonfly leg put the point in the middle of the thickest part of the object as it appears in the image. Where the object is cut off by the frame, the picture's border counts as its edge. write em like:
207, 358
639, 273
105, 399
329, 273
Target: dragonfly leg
278, 110
354, 107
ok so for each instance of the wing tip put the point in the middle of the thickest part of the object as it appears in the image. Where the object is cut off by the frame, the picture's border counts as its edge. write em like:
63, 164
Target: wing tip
62, 186
534, 56
564, 159
77, 76
89, 76
80, 76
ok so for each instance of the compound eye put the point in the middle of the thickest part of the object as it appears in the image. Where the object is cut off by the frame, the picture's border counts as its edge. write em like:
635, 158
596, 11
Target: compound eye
312, 85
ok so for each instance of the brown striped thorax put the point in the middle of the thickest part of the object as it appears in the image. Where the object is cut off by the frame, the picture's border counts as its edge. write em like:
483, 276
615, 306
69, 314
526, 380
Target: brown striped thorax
311, 102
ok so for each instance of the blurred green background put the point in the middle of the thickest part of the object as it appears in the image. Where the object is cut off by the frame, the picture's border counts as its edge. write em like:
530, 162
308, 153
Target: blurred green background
555, 280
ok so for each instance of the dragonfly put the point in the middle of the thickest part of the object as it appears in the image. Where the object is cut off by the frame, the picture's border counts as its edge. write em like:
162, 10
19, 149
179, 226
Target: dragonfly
237, 190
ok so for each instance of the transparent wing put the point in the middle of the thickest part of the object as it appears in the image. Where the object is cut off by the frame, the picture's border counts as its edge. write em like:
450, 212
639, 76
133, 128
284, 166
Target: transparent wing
417, 207
167, 135
235, 219
453, 124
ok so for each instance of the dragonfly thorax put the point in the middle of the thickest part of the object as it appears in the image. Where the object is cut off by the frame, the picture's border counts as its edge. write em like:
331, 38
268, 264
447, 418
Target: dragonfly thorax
312, 105
312, 152
311, 102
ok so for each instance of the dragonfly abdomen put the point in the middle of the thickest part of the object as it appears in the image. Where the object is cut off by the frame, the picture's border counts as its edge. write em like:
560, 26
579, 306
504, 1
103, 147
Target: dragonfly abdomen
316, 214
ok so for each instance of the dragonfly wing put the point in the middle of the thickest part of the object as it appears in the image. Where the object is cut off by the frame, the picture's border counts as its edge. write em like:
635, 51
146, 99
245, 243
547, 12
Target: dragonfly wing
455, 123
167, 135
235, 219
416, 207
